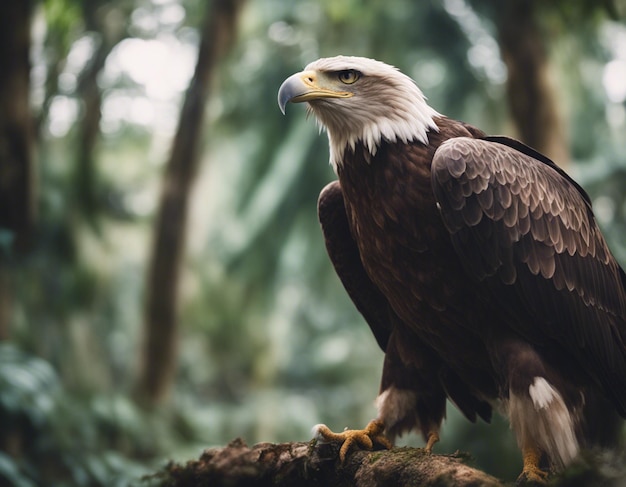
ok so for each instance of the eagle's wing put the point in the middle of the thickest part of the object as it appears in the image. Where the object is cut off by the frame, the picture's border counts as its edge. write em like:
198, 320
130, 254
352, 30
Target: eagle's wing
522, 227
344, 254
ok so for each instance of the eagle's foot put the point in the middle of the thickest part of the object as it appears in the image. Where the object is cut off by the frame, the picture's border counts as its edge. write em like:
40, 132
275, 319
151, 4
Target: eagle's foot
532, 474
433, 437
366, 438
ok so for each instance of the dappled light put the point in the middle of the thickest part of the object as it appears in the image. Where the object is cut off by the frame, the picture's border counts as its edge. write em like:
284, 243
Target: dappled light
162, 66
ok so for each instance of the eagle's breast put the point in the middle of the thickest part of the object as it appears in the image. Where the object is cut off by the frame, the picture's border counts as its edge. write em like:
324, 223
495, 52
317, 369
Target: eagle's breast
405, 248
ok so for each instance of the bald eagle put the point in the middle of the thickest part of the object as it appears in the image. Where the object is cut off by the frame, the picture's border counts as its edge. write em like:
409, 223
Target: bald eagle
477, 263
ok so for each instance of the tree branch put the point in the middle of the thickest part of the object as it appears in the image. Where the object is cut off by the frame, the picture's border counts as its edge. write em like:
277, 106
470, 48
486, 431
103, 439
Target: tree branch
316, 464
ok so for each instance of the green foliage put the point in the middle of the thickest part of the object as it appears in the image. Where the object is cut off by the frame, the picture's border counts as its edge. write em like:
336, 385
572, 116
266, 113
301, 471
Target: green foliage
28, 383
51, 436
62, 17
7, 238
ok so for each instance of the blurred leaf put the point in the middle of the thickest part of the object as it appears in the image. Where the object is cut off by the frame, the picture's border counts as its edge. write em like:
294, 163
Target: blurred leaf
9, 472
6, 241
28, 385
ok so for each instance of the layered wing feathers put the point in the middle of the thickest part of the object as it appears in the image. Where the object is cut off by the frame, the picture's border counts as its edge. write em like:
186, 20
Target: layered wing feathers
527, 231
495, 195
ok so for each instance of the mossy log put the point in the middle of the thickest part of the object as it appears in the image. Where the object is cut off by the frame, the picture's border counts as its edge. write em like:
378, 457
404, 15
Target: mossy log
317, 464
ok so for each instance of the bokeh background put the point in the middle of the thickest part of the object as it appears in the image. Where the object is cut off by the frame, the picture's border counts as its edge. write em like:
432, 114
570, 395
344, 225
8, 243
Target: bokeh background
164, 286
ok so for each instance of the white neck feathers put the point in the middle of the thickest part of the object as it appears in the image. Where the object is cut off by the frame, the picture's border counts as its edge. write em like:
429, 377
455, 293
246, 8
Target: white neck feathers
387, 106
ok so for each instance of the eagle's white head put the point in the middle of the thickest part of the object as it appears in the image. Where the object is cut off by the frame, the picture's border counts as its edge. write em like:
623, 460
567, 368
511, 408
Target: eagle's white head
360, 100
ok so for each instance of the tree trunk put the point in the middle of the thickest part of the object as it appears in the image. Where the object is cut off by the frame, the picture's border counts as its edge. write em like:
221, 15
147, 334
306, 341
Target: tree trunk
531, 94
109, 35
17, 178
160, 327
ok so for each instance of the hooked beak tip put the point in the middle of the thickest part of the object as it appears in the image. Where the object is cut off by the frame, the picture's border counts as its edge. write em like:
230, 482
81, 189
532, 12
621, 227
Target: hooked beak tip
288, 90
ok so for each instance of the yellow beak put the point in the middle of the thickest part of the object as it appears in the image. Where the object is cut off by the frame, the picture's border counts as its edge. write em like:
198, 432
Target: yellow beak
306, 86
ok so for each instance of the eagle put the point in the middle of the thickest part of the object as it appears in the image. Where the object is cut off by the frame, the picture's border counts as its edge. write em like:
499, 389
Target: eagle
477, 263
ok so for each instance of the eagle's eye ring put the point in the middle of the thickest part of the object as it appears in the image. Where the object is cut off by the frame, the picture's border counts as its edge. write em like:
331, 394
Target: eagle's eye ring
349, 76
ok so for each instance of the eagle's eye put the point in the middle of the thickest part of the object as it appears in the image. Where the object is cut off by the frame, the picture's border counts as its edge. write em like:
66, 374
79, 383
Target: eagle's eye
348, 76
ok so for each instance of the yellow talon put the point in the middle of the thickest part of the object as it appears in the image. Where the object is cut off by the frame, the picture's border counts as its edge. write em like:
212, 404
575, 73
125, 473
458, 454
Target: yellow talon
366, 438
531, 471
433, 437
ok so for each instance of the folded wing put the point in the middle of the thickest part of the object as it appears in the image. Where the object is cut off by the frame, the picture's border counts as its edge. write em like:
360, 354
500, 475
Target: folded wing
526, 231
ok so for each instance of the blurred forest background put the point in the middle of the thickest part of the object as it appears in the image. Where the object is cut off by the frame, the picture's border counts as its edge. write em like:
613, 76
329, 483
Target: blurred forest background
163, 281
